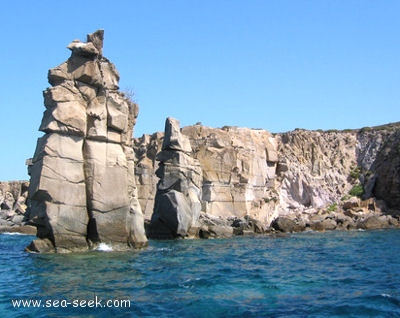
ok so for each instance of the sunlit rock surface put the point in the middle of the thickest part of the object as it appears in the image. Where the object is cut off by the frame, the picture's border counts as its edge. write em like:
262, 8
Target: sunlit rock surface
82, 189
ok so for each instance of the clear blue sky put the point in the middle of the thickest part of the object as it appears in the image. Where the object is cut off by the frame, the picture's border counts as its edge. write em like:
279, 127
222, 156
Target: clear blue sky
276, 65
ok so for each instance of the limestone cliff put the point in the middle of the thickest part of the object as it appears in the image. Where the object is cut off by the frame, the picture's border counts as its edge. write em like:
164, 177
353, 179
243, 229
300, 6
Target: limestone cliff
379, 160
314, 168
248, 180
307, 176
82, 188
238, 168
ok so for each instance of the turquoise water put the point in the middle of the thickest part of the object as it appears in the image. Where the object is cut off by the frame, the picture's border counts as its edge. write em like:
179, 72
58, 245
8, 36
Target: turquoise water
332, 274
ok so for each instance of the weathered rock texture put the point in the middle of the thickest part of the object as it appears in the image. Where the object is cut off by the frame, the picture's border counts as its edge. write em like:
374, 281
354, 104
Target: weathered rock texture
238, 171
177, 201
82, 188
252, 181
238, 168
314, 168
290, 181
13, 195
381, 176
13, 204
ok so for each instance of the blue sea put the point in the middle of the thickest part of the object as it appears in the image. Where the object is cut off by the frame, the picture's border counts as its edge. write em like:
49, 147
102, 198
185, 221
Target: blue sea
311, 274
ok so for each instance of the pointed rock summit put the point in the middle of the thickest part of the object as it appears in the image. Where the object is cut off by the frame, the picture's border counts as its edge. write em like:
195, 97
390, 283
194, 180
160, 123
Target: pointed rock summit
82, 188
177, 202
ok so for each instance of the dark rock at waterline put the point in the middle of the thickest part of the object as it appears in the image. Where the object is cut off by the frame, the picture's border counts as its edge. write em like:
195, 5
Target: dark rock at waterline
285, 224
324, 225
376, 222
22, 229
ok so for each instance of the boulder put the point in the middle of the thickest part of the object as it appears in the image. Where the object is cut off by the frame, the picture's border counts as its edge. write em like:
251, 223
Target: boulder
326, 224
216, 231
41, 246
374, 222
345, 222
286, 224
247, 225
351, 203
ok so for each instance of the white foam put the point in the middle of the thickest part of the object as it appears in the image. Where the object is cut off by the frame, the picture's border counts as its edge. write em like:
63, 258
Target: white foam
103, 247
13, 233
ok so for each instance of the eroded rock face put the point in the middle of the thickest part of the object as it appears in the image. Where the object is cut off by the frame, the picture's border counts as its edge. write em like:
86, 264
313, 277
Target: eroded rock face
11, 194
382, 176
82, 186
308, 188
238, 170
146, 149
237, 165
314, 168
178, 198
305, 178
13, 205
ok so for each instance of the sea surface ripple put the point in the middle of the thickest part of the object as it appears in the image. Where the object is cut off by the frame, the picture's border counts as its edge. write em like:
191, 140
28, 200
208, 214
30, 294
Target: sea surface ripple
332, 274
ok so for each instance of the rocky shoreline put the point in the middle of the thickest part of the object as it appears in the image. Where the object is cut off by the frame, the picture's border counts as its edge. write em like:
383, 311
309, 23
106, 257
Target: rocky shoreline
353, 214
350, 214
211, 227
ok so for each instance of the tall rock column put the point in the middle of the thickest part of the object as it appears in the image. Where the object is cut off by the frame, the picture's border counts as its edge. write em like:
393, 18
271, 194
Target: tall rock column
82, 187
177, 203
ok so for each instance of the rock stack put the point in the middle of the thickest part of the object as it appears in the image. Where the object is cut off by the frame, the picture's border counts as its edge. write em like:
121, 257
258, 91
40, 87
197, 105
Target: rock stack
82, 186
178, 199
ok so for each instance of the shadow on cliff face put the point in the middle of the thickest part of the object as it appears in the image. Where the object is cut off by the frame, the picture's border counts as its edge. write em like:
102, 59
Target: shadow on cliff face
379, 160
92, 232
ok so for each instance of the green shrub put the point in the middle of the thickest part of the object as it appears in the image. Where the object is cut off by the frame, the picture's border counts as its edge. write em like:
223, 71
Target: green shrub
346, 197
357, 191
355, 173
365, 129
332, 207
